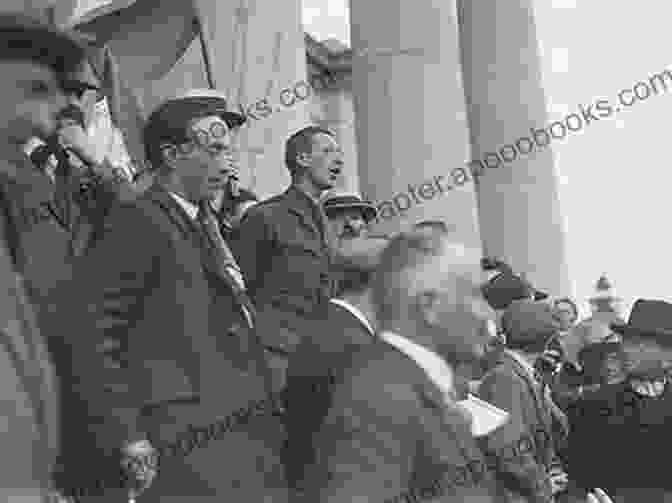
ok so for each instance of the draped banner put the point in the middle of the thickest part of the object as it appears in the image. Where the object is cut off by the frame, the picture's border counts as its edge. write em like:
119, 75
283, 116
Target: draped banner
136, 41
256, 51
147, 37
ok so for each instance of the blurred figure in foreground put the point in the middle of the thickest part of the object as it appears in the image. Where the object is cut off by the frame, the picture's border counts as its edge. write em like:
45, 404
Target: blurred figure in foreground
86, 184
394, 430
34, 58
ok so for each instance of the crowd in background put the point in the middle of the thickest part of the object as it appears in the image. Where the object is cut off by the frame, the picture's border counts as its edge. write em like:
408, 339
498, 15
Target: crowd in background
297, 356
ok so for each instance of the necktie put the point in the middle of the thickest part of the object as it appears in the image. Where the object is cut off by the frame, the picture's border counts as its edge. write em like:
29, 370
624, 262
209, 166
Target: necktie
229, 269
225, 258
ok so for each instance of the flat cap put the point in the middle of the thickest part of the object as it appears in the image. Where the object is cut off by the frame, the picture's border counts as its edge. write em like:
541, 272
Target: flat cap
167, 122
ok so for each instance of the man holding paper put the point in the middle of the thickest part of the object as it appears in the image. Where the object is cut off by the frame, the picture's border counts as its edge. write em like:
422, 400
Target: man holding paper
394, 430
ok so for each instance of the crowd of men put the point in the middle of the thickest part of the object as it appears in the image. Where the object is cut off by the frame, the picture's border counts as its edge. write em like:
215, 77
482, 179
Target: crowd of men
173, 338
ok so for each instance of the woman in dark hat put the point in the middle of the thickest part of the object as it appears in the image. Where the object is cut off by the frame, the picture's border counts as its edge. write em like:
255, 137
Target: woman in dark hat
619, 431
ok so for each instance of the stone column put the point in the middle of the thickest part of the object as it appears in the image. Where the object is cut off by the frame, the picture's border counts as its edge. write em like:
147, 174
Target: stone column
258, 58
411, 120
519, 212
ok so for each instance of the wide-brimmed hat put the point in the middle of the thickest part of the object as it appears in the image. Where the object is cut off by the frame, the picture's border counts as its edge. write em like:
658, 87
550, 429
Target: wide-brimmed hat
333, 201
27, 37
505, 287
648, 319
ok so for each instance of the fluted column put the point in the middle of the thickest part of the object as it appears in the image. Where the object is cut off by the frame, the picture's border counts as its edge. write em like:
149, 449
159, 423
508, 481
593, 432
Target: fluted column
519, 210
411, 121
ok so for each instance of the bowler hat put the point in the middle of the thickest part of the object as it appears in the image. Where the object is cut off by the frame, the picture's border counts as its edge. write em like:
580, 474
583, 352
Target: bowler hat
333, 201
29, 38
648, 319
504, 288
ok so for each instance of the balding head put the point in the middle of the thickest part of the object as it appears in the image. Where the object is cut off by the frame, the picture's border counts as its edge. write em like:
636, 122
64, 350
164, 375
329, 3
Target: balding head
427, 287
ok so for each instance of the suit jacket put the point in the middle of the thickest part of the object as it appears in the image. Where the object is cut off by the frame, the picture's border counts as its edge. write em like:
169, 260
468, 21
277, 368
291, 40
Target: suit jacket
28, 438
318, 362
389, 436
522, 470
618, 439
183, 355
283, 249
38, 239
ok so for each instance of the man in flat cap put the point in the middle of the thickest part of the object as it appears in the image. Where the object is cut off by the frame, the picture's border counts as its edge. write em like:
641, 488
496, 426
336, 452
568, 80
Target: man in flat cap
166, 298
348, 213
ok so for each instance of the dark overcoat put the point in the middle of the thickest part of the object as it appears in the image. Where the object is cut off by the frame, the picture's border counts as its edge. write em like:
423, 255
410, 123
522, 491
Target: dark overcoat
619, 440
319, 360
183, 365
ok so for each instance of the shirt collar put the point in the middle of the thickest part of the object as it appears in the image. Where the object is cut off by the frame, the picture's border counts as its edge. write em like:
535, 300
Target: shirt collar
190, 208
436, 368
355, 311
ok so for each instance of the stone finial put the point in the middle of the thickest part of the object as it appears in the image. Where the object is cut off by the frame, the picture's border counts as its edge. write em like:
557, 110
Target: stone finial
604, 299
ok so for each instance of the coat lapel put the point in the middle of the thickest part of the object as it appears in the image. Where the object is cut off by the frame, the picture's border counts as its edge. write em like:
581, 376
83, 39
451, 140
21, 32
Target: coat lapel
186, 226
308, 214
175, 213
191, 231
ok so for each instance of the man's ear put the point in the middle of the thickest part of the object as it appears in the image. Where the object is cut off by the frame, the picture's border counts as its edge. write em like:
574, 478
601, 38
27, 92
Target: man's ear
169, 156
303, 159
427, 303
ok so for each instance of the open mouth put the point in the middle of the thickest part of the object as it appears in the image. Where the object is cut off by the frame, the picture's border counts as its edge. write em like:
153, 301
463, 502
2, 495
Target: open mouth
216, 181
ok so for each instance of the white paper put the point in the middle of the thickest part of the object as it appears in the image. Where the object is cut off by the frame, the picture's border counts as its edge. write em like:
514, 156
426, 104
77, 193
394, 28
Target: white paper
486, 417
